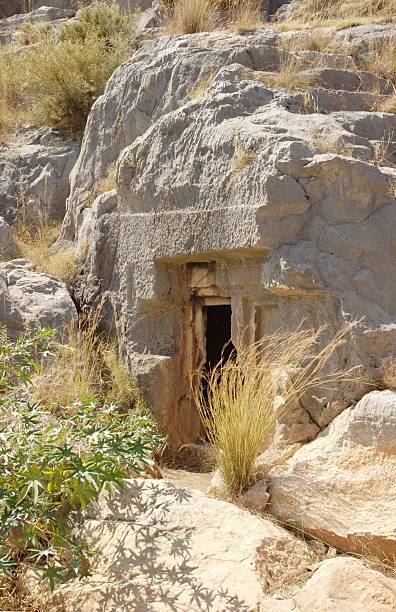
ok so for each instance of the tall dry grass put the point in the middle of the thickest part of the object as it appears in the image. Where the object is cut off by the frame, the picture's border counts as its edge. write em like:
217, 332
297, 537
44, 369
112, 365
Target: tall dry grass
11, 86
86, 364
245, 16
240, 400
191, 17
34, 237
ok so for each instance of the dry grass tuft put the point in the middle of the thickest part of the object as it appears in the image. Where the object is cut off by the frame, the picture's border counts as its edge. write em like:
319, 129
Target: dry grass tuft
86, 365
389, 105
191, 16
200, 87
108, 182
240, 400
34, 239
245, 16
308, 41
11, 85
327, 146
380, 58
289, 76
384, 151
325, 10
244, 155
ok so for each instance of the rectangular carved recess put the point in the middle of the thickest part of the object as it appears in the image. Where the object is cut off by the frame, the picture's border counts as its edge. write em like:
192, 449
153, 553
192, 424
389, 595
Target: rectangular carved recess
221, 298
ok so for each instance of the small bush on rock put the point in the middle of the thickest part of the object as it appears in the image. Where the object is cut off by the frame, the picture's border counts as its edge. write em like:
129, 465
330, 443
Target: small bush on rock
191, 17
241, 399
57, 79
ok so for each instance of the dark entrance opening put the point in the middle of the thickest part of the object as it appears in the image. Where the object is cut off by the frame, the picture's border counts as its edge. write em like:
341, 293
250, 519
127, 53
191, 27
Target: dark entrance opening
218, 334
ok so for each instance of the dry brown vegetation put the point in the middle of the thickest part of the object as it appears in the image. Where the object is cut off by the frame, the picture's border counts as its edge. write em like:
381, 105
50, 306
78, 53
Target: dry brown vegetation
191, 16
384, 151
326, 145
106, 183
245, 16
240, 400
314, 40
55, 81
86, 365
34, 237
340, 13
289, 76
200, 87
389, 105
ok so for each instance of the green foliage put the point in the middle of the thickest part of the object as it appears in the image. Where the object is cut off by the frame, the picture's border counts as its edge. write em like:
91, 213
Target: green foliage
52, 466
100, 18
18, 358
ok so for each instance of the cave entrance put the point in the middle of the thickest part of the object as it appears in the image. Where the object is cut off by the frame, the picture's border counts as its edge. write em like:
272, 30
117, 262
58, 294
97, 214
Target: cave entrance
218, 334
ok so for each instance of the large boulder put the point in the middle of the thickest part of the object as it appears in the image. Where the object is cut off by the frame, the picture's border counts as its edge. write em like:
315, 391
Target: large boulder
162, 547
29, 299
343, 584
34, 173
215, 167
342, 486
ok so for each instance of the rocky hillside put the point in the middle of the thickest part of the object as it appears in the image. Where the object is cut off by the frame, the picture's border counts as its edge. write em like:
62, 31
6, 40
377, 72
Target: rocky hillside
200, 174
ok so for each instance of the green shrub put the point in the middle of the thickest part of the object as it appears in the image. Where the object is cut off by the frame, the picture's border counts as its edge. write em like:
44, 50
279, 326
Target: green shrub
56, 80
100, 18
52, 465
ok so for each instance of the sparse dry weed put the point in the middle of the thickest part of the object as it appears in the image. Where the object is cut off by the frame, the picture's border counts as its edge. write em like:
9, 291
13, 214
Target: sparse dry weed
200, 87
86, 364
289, 76
326, 145
245, 16
34, 237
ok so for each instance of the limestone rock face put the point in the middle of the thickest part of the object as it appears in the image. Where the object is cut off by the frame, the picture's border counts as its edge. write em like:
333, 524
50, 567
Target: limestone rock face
222, 177
29, 298
16, 7
34, 173
44, 14
342, 584
341, 487
7, 247
162, 547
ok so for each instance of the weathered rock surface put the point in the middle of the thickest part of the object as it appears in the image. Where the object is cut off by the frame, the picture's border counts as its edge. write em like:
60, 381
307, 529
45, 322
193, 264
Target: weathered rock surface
242, 179
343, 585
341, 487
45, 14
29, 298
15, 7
34, 174
165, 548
7, 247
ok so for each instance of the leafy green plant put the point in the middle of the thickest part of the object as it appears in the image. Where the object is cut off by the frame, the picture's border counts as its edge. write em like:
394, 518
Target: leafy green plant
53, 465
18, 358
